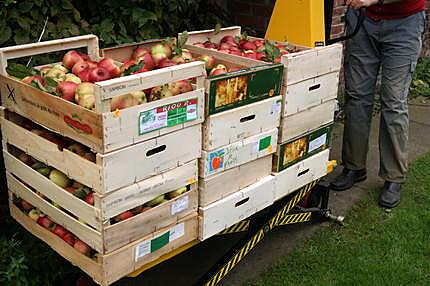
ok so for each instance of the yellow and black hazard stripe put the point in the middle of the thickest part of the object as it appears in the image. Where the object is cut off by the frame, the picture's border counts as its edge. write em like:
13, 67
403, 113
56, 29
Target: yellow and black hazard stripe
238, 227
237, 257
295, 218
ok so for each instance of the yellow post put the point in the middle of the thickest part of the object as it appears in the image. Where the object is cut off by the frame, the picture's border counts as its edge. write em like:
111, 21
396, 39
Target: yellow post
299, 22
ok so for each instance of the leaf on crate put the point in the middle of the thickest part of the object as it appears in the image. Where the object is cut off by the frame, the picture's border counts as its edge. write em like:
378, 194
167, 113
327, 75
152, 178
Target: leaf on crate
21, 71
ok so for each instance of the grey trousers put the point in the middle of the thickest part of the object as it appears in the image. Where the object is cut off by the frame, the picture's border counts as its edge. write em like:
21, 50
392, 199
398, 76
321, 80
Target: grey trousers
392, 47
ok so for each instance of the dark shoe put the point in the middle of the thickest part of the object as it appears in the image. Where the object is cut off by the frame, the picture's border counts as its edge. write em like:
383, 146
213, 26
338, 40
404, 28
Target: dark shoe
347, 179
390, 196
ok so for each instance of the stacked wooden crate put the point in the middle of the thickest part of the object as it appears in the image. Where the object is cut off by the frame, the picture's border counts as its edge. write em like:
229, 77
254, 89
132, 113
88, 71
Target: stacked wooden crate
134, 162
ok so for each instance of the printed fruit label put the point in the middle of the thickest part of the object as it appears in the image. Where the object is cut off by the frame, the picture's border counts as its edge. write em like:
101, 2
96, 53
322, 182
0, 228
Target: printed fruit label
216, 161
168, 115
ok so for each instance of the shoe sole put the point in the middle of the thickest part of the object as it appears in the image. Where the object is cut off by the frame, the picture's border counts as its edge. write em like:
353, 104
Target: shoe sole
388, 206
348, 187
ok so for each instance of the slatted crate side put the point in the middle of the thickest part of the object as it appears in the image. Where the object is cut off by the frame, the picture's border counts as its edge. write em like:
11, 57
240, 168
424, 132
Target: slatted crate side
143, 191
32, 178
305, 121
309, 93
241, 152
228, 182
87, 126
234, 125
300, 174
203, 35
106, 269
151, 157
236, 207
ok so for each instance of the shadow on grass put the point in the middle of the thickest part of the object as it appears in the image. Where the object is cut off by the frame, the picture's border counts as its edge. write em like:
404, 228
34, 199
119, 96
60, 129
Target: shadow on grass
378, 247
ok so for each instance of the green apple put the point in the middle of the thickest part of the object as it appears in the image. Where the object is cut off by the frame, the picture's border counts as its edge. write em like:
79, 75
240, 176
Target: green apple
59, 179
158, 200
176, 193
34, 214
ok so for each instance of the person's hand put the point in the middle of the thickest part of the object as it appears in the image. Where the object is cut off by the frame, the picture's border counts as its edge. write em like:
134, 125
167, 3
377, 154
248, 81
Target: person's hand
357, 4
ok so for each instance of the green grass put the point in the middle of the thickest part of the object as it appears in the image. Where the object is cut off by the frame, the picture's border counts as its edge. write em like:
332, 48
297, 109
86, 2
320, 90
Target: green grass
376, 248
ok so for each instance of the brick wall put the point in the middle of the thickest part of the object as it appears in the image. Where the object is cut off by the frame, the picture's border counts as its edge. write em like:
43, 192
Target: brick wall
254, 17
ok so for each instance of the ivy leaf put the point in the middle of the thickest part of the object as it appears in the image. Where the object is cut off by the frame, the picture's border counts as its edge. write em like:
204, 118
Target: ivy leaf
5, 35
134, 68
122, 28
23, 23
25, 7
20, 71
182, 39
21, 37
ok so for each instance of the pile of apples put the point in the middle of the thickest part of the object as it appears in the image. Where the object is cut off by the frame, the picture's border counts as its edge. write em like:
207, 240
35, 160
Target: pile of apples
258, 49
46, 222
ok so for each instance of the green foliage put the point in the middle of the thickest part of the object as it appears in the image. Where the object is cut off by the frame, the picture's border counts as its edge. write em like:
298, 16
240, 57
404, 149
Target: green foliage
421, 81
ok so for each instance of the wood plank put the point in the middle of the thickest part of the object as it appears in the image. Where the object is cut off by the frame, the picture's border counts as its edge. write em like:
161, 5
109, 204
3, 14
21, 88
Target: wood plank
146, 190
124, 261
139, 157
45, 186
123, 129
51, 111
73, 165
300, 174
233, 125
308, 93
305, 121
236, 207
88, 235
88, 265
311, 63
228, 182
241, 152
203, 35
159, 217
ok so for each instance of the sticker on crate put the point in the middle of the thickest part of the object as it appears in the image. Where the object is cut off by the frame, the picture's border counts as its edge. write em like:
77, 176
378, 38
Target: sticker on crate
303, 147
239, 153
234, 90
168, 115
155, 244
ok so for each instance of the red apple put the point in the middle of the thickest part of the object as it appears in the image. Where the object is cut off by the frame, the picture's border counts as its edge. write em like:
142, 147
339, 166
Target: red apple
99, 74
179, 87
69, 238
26, 206
225, 46
84, 75
89, 198
178, 59
250, 55
158, 58
260, 56
258, 43
109, 65
46, 222
27, 159
92, 64
71, 190
29, 79
139, 52
82, 247
137, 210
161, 49
199, 45
217, 71
235, 52
209, 45
79, 66
164, 63
123, 216
228, 39
277, 60
59, 231
247, 45
71, 58
224, 51
209, 61
67, 89
148, 61
126, 65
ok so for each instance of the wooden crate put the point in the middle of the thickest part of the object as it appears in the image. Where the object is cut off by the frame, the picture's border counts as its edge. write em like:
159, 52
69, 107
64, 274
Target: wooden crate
234, 125
303, 122
111, 171
228, 182
254, 82
103, 130
236, 154
309, 93
108, 268
92, 223
305, 64
300, 148
236, 207
300, 174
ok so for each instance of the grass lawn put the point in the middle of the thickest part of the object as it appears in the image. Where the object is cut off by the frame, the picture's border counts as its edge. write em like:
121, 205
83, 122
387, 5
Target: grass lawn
376, 247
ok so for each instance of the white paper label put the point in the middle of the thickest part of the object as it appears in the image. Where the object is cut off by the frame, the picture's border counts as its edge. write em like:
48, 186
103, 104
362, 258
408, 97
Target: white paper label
176, 232
152, 120
180, 205
142, 249
191, 112
317, 143
254, 147
276, 108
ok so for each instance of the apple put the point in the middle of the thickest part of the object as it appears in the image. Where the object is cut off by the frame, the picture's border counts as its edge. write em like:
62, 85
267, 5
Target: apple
258, 43
27, 159
46, 222
56, 74
234, 69
148, 61
59, 231
260, 56
176, 193
139, 52
187, 56
137, 210
92, 64
199, 45
90, 157
227, 39
77, 148
209, 61
84, 95
79, 66
67, 89
89, 198
29, 79
161, 49
73, 78
84, 75
26, 206
127, 100
247, 45
60, 67
158, 58
225, 46
99, 74
82, 247
109, 65
71, 58
59, 179
164, 63
250, 54
209, 45
71, 190
217, 71
126, 65
155, 201
44, 70
159, 92
69, 238
34, 214
178, 59
123, 216
44, 171
180, 86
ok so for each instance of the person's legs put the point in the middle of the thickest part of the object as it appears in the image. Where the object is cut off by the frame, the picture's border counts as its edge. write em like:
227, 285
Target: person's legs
401, 46
362, 62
